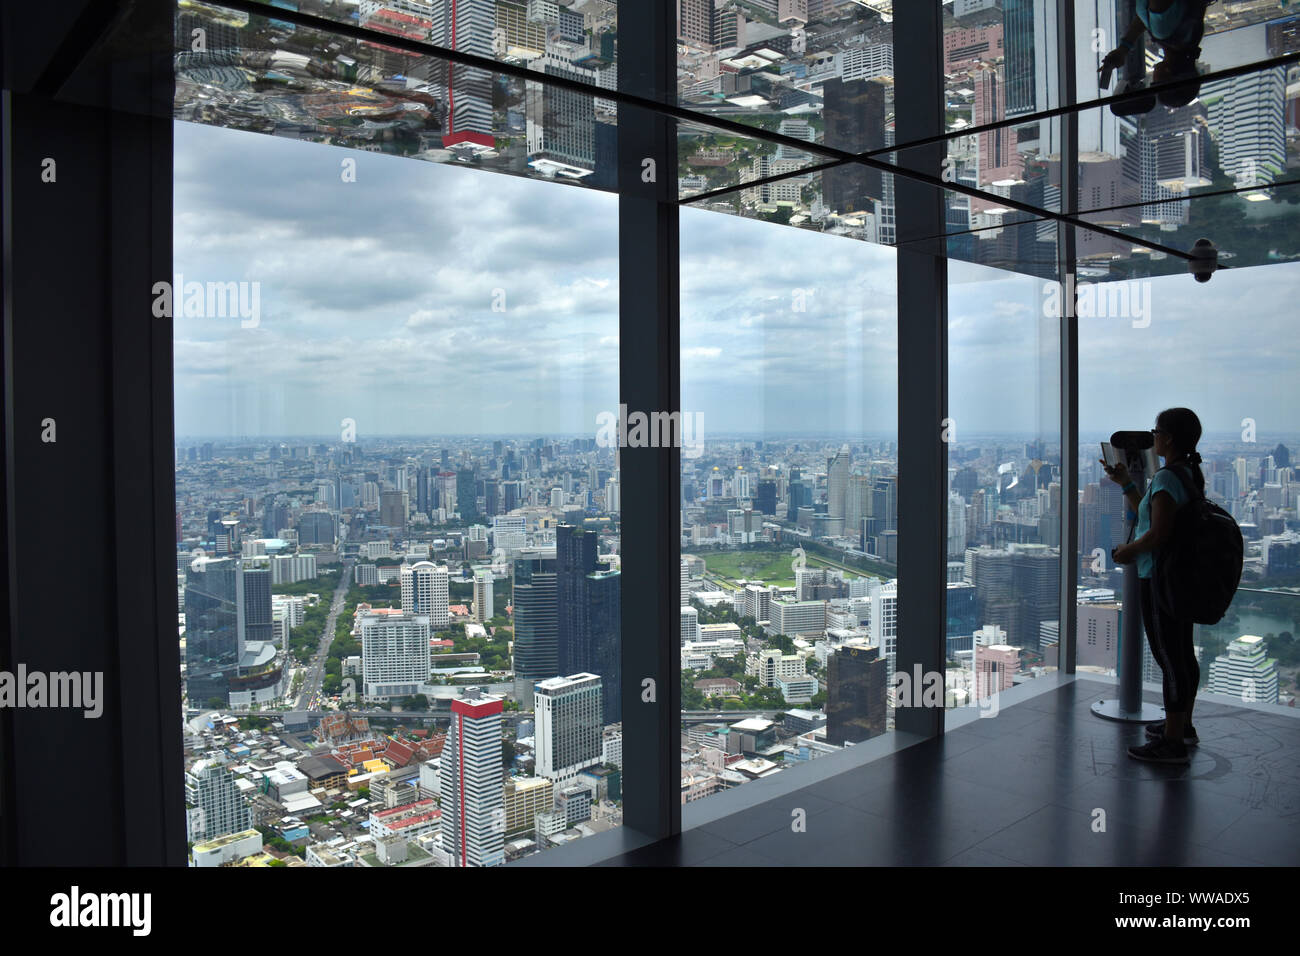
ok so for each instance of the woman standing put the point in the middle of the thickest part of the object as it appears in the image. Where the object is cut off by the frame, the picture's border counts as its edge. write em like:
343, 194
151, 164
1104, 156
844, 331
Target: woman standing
1176, 433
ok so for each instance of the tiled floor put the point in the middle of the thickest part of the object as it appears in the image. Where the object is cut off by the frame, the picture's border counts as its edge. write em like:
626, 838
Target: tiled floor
1031, 787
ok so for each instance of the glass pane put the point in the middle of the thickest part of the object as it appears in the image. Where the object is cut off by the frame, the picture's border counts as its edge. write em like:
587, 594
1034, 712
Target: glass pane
1242, 396
520, 32
1206, 37
1004, 500
395, 532
762, 63
789, 498
309, 85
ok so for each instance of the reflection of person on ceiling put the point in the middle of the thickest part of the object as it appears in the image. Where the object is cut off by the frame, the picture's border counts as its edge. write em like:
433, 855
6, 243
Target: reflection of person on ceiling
1177, 26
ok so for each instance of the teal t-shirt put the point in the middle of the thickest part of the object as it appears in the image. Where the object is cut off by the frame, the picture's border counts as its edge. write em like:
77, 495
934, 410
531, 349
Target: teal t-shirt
1165, 480
1177, 24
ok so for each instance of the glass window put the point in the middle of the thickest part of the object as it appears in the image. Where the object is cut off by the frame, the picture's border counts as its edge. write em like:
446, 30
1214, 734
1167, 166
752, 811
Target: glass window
1004, 497
1151, 344
397, 532
789, 498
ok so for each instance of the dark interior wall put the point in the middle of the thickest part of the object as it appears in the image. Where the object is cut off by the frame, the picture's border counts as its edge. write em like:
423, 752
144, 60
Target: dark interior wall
88, 514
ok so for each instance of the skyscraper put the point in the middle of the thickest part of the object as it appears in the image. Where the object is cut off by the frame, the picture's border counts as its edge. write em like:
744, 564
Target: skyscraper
464, 25
425, 589
467, 495
854, 116
856, 694
257, 604
214, 628
1020, 60
424, 490
536, 653
587, 611
484, 608
837, 483
470, 779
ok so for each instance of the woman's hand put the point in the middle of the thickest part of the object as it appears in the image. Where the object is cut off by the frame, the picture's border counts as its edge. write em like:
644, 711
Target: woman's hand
1115, 58
1123, 554
1118, 474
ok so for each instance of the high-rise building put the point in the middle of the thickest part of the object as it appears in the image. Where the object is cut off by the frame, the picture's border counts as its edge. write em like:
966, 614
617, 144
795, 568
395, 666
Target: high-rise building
257, 604
467, 495
961, 616
1244, 672
995, 668
854, 115
856, 694
533, 596
690, 624
467, 26
1098, 635
837, 482
600, 639
560, 124
317, 528
394, 655
470, 777
1248, 114
393, 508
1035, 581
484, 609
217, 807
884, 623
1021, 63
567, 736
424, 490
425, 590
214, 628
525, 797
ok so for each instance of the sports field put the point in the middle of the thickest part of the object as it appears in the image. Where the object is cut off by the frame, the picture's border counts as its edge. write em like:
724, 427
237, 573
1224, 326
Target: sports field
775, 567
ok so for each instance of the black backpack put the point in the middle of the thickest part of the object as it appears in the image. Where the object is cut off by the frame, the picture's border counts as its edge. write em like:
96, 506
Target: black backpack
1197, 572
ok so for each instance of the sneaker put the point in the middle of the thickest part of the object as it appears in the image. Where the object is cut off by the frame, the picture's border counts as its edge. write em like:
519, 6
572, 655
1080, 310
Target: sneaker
1156, 731
1160, 751
1137, 105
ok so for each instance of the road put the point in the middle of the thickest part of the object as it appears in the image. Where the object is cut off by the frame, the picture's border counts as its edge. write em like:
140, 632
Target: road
311, 684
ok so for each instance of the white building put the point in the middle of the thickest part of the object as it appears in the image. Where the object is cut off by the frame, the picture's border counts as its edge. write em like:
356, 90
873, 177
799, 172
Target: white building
484, 608
690, 625
884, 623
1244, 672
567, 737
796, 617
210, 789
291, 568
425, 588
227, 849
470, 776
771, 665
394, 655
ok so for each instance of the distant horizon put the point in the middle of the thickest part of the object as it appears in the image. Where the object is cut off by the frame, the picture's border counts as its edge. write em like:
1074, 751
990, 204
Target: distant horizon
1263, 438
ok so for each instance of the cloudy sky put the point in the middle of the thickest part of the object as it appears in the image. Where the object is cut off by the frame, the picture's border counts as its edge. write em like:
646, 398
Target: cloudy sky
377, 304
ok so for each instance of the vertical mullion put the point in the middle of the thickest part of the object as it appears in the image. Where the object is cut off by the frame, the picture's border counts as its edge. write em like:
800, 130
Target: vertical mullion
1069, 345
649, 381
922, 359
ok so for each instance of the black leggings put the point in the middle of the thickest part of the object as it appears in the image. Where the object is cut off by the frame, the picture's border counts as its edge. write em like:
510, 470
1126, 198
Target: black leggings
1171, 646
